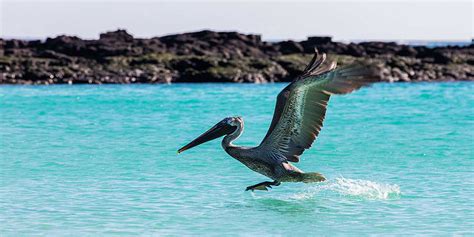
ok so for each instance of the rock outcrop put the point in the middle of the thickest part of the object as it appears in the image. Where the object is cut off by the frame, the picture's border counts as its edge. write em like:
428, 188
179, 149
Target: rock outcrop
207, 56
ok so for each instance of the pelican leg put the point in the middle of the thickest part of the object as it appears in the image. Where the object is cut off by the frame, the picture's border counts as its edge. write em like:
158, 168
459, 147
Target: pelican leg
262, 186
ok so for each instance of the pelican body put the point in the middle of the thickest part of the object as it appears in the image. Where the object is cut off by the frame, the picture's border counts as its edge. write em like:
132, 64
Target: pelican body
298, 118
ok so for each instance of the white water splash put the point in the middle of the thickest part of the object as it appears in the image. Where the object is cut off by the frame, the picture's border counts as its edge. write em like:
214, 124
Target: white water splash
353, 187
365, 188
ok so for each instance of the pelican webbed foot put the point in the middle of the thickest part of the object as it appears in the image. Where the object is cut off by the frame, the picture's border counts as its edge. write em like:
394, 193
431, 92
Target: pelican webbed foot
262, 186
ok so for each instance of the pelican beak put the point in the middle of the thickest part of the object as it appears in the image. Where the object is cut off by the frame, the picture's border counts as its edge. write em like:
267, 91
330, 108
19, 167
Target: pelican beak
218, 130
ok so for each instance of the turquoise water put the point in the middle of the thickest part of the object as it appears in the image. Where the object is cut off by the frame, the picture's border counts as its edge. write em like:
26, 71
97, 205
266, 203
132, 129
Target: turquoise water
102, 160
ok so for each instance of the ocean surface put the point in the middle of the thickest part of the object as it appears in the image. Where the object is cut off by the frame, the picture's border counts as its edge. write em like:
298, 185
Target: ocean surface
101, 160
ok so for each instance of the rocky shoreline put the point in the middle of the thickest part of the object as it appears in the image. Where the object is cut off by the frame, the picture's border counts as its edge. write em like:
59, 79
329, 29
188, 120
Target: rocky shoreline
207, 56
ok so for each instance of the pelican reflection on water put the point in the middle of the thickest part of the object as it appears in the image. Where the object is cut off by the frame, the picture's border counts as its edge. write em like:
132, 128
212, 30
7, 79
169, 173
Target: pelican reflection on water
298, 118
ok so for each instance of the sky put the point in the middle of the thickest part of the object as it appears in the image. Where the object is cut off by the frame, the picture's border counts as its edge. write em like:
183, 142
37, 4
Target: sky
450, 20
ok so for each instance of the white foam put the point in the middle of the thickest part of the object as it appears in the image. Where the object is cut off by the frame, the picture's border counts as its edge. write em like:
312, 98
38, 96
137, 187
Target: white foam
353, 187
365, 188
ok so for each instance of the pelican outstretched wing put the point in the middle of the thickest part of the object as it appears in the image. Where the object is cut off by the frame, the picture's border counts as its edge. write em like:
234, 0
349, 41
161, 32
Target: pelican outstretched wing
301, 106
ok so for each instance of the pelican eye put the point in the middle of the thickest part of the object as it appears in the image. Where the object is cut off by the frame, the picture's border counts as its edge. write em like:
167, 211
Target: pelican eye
227, 121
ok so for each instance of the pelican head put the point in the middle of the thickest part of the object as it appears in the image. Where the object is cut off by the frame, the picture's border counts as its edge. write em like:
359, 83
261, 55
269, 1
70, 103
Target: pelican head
224, 127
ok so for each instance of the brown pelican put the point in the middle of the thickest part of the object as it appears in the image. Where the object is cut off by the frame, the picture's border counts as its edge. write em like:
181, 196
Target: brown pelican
299, 113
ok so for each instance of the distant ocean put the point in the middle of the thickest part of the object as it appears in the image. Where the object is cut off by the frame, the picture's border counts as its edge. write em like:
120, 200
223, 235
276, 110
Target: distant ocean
101, 160
432, 44
427, 43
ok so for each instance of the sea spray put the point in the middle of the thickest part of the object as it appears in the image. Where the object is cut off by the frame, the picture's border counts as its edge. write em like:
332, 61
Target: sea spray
365, 189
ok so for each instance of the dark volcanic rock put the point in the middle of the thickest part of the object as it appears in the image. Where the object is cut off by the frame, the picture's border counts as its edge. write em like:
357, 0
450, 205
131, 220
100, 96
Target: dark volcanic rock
322, 43
355, 50
227, 44
118, 35
289, 47
407, 51
208, 56
69, 45
378, 48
